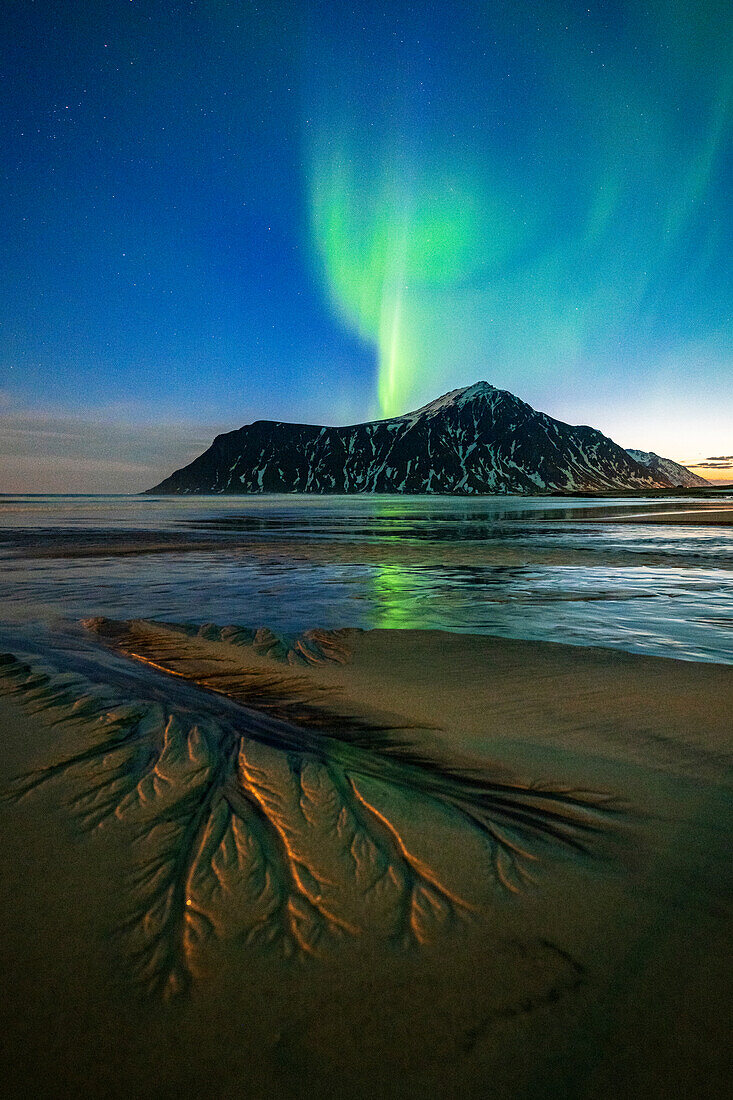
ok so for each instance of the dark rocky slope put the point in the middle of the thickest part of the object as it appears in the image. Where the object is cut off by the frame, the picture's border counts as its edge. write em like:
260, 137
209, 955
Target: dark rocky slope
670, 472
475, 440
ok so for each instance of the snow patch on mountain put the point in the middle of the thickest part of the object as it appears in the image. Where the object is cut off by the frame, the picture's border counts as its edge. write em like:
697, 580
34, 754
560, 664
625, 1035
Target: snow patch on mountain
666, 467
456, 398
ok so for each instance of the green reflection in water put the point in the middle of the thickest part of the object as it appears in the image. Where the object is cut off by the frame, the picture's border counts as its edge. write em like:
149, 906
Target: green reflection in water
396, 594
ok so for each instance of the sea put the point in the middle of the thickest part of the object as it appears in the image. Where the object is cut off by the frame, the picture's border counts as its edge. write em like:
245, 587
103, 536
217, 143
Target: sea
554, 569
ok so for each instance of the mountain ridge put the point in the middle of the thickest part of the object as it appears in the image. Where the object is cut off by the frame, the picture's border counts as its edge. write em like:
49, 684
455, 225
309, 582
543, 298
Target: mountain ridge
667, 466
474, 440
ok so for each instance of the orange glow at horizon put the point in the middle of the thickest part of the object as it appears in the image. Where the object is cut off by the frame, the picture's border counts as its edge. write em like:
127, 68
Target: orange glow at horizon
717, 475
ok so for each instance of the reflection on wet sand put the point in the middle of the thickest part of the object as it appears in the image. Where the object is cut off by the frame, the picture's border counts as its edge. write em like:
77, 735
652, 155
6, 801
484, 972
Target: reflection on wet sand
592, 572
264, 813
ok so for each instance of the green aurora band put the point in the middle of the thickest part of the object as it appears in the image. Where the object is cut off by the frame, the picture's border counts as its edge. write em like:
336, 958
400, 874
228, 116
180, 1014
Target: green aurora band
383, 246
533, 226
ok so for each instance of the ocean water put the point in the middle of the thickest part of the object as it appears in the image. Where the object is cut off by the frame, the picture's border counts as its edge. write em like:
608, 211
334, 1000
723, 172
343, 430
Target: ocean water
559, 569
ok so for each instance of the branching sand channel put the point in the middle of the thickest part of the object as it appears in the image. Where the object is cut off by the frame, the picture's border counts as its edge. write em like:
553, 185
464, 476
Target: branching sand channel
264, 813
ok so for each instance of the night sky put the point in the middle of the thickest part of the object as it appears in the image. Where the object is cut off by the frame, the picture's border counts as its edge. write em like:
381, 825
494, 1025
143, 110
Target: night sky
214, 212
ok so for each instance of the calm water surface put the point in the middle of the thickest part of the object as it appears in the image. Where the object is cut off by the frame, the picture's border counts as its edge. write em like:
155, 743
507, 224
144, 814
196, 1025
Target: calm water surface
296, 562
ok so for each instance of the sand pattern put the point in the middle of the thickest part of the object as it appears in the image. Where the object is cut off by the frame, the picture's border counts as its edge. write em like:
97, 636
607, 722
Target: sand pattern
312, 647
260, 812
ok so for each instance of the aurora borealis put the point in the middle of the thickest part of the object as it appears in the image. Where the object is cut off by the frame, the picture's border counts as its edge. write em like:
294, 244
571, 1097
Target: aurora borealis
541, 186
214, 212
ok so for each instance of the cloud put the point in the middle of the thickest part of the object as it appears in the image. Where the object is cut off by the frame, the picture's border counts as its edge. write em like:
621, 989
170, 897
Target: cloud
87, 453
717, 462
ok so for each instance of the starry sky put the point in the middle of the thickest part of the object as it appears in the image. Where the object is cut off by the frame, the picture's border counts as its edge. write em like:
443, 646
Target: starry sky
213, 212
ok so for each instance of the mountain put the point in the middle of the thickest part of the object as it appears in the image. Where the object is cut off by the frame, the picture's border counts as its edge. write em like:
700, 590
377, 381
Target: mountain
666, 468
474, 440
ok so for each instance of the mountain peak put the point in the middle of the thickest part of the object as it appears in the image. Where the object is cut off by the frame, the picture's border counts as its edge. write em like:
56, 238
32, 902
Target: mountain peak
453, 397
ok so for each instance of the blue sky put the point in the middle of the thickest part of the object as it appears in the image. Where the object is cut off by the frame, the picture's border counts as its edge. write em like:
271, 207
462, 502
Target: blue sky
217, 212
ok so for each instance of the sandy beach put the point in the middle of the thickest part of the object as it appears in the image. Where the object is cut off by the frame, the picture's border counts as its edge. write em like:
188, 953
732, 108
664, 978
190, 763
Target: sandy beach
486, 867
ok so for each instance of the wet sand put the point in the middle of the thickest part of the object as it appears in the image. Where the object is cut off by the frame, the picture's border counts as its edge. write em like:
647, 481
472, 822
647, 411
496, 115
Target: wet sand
344, 925
701, 514
386, 539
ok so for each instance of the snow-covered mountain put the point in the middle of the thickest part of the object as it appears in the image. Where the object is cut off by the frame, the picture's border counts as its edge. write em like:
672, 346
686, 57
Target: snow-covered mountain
474, 440
666, 468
